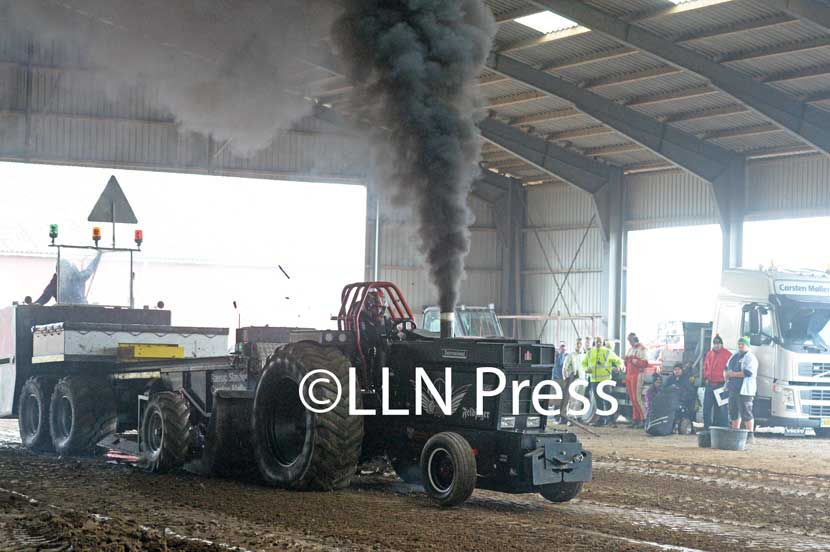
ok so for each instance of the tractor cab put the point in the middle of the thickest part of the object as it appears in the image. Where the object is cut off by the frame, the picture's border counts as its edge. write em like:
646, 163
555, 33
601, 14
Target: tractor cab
478, 322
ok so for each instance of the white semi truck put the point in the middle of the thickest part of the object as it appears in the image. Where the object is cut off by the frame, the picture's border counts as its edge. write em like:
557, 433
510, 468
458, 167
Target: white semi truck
786, 314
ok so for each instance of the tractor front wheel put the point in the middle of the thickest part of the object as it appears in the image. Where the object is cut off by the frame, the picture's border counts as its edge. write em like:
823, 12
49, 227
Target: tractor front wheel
166, 432
561, 492
448, 468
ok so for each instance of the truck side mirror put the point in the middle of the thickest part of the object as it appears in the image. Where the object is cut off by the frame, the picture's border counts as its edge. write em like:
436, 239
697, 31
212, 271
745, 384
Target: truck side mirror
756, 340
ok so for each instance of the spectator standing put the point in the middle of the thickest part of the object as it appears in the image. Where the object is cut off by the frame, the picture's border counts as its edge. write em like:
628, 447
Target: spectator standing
742, 373
559, 377
636, 362
714, 368
600, 363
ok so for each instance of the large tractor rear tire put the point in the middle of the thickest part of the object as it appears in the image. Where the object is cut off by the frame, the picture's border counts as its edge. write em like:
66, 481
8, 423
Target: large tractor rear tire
294, 447
33, 415
448, 468
561, 492
81, 413
166, 432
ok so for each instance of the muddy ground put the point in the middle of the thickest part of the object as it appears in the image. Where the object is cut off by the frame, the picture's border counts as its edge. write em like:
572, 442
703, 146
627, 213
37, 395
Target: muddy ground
647, 494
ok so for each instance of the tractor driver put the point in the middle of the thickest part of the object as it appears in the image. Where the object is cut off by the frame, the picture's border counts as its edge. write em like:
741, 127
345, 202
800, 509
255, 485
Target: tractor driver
374, 325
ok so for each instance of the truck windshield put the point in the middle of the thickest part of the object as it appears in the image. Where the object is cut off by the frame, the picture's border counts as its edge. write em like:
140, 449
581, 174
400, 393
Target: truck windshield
805, 325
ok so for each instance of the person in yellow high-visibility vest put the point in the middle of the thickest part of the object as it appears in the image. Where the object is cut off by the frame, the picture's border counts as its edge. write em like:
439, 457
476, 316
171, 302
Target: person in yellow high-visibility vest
600, 363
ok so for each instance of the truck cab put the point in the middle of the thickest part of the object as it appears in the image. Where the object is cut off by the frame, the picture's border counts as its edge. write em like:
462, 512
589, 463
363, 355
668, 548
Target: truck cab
469, 321
786, 314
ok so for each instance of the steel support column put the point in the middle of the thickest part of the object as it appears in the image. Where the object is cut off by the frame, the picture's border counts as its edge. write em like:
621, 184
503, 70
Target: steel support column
510, 216
729, 191
609, 202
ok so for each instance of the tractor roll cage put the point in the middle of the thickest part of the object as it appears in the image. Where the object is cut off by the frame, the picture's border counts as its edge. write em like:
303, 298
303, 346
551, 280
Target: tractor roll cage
352, 302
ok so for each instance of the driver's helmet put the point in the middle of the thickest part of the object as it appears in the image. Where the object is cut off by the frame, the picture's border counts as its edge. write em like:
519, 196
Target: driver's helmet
375, 302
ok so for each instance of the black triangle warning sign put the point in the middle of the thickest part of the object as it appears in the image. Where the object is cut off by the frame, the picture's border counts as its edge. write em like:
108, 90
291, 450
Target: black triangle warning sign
113, 206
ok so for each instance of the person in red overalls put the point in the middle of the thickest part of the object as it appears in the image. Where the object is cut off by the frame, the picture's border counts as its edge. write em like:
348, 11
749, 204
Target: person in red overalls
636, 361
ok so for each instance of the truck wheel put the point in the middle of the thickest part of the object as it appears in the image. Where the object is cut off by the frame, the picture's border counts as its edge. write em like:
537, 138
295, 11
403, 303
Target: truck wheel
81, 413
296, 448
165, 432
448, 468
561, 492
33, 415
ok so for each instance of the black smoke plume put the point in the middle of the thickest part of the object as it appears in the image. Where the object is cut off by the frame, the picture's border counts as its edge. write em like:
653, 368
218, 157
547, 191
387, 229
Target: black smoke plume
414, 64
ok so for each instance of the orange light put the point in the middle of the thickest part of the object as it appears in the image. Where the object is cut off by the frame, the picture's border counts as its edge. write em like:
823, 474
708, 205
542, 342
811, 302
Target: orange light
96, 234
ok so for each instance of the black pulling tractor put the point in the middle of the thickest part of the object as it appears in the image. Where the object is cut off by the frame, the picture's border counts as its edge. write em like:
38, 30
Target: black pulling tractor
450, 454
244, 412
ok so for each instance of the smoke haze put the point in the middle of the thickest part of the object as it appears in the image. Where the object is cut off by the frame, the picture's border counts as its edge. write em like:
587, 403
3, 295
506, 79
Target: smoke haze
224, 67
414, 64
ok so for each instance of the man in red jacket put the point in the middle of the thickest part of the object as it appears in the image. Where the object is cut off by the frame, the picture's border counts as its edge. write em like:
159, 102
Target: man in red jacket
713, 378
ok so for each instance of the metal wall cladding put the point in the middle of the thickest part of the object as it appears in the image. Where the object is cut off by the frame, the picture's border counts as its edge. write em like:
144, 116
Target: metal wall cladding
558, 205
78, 116
404, 264
561, 214
399, 246
478, 288
791, 187
12, 83
86, 92
583, 294
670, 198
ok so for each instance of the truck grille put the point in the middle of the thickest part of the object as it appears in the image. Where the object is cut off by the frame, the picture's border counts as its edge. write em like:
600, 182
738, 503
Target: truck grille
819, 395
816, 410
815, 369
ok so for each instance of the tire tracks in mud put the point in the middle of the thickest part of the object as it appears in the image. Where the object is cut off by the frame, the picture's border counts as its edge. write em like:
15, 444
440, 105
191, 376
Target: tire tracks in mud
623, 509
787, 510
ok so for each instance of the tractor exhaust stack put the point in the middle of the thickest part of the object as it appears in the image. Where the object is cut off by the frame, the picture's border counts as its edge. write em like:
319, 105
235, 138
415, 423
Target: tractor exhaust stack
447, 320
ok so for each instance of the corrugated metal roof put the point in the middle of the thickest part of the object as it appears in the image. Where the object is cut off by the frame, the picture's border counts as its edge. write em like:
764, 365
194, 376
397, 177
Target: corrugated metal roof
762, 66
628, 7
751, 39
615, 66
130, 127
804, 86
693, 103
650, 87
757, 141
543, 104
710, 17
564, 49
632, 158
503, 88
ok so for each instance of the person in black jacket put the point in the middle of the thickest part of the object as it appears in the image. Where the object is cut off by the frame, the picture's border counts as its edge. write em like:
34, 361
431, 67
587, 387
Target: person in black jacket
681, 380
